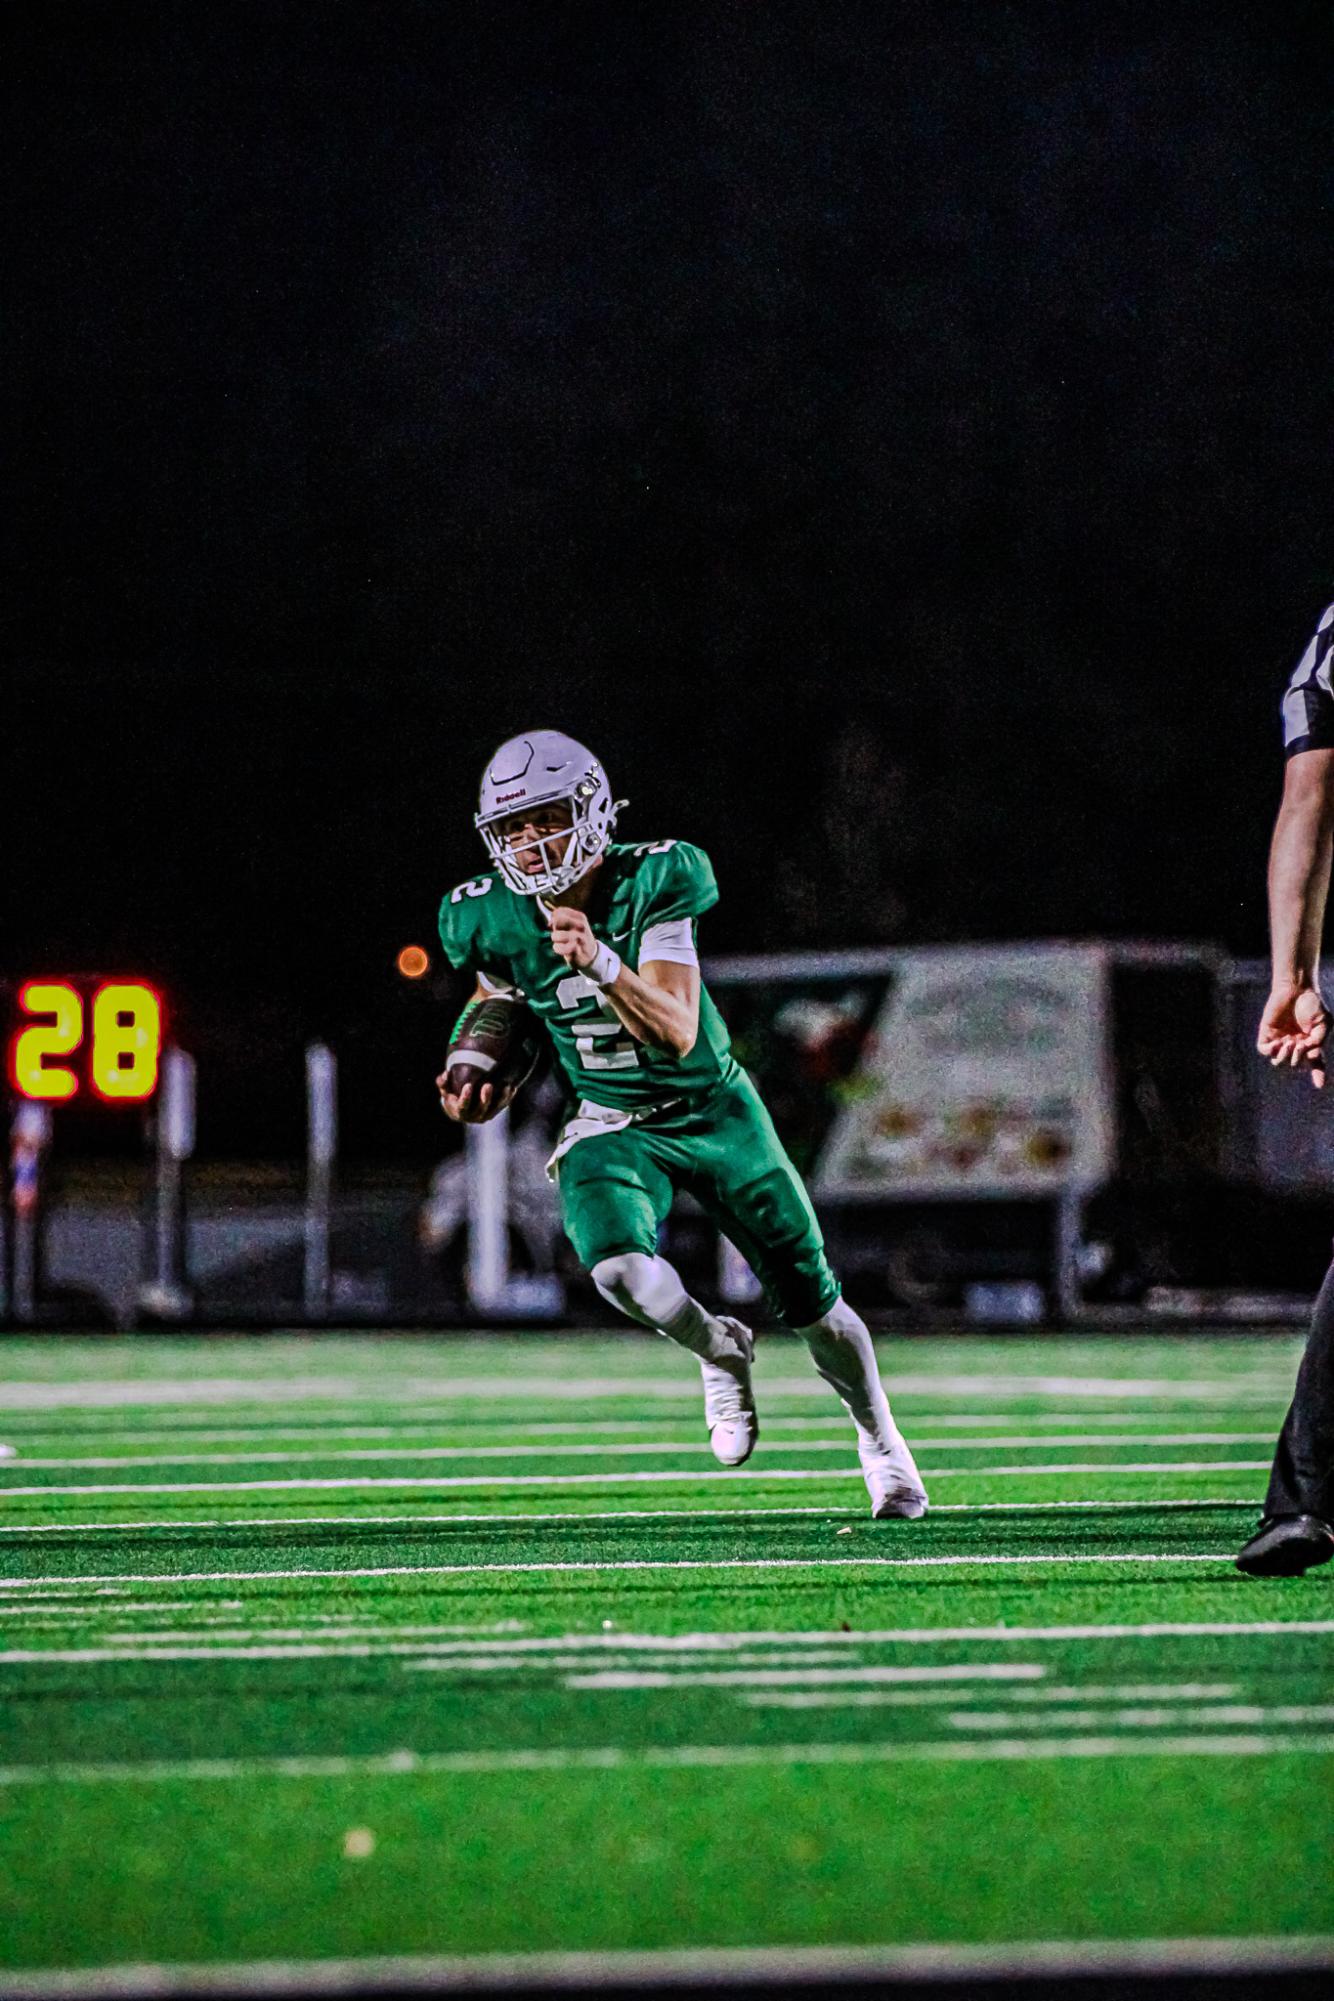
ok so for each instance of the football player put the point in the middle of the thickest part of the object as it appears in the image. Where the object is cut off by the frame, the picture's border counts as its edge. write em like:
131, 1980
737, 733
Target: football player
1296, 1531
600, 939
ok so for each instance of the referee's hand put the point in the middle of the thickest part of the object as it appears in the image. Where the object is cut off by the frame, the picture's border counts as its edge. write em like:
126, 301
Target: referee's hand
1293, 1029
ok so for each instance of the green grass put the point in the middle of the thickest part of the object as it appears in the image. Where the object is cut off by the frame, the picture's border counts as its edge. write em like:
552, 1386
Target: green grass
573, 1688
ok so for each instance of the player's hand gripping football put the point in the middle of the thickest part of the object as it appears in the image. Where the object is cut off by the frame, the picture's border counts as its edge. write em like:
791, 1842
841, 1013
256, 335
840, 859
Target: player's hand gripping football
475, 1103
1293, 1028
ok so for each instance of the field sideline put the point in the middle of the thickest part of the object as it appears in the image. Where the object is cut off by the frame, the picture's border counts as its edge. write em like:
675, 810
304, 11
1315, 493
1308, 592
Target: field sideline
342, 1661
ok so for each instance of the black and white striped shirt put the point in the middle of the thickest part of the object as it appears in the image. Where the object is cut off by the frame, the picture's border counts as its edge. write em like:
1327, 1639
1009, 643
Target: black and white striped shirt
1308, 705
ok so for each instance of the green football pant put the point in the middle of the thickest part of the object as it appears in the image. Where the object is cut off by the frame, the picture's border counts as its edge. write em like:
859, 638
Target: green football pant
616, 1189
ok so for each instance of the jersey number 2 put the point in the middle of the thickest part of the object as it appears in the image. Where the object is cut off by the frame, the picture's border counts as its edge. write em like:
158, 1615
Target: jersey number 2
602, 1045
479, 886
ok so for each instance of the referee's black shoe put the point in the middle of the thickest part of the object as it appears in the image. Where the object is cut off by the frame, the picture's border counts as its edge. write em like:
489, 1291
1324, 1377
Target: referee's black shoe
1287, 1545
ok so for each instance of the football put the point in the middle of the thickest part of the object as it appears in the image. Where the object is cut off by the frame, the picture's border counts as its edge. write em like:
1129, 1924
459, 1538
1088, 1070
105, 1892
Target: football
495, 1041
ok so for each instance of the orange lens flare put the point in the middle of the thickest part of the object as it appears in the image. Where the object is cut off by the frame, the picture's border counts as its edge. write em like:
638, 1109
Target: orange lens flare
412, 962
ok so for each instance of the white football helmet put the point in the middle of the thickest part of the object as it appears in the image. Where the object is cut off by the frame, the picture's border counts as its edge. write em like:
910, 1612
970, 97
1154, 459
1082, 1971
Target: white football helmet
537, 770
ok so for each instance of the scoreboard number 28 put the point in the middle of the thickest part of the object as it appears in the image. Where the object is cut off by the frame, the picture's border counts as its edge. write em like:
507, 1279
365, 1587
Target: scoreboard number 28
101, 1035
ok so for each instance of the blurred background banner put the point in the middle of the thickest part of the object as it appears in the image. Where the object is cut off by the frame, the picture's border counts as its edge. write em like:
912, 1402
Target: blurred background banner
986, 1071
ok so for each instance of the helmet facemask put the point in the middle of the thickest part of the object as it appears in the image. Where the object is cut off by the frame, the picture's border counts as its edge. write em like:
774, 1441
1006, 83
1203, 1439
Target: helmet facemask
566, 853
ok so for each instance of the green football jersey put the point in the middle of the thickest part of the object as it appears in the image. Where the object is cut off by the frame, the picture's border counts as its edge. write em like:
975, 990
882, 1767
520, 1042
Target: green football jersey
487, 928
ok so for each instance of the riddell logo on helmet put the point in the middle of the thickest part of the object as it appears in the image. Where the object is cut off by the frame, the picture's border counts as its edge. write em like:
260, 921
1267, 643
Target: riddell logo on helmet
503, 798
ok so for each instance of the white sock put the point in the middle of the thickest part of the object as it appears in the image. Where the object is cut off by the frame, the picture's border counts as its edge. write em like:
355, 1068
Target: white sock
842, 1351
650, 1291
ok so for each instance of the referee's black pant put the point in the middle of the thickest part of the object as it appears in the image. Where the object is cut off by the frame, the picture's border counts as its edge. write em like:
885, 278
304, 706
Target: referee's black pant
1302, 1482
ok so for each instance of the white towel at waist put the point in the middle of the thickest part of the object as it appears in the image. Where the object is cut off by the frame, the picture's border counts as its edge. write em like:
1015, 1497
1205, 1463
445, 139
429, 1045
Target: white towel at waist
591, 1119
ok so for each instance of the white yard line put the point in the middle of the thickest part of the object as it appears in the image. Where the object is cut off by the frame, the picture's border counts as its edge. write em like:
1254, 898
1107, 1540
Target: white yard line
504, 1480
852, 1698
1128, 1691
398, 1764
812, 1676
685, 1967
723, 1563
602, 1647
833, 1513
321, 1626
634, 1656
273, 1434
413, 1392
153, 1646
637, 1447
1034, 1420
45, 1608
725, 1641
880, 1698
510, 1425
764, 1563
1214, 1716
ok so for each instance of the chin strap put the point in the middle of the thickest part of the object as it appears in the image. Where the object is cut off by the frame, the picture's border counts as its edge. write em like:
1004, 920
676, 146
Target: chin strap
592, 856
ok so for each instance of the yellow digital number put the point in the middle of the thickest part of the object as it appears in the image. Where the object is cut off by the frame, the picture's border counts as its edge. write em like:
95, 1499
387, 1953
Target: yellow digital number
127, 1038
32, 1046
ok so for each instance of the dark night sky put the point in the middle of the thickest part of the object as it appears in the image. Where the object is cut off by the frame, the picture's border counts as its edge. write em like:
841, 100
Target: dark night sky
913, 418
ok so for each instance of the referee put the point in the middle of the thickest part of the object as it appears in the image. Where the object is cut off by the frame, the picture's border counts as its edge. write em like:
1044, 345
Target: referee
1295, 1532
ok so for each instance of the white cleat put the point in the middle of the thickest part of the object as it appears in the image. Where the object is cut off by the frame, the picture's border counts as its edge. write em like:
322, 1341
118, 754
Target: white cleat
729, 1400
893, 1482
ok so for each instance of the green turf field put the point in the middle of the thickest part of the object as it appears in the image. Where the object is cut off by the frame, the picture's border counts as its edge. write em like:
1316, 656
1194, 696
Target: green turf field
341, 1649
